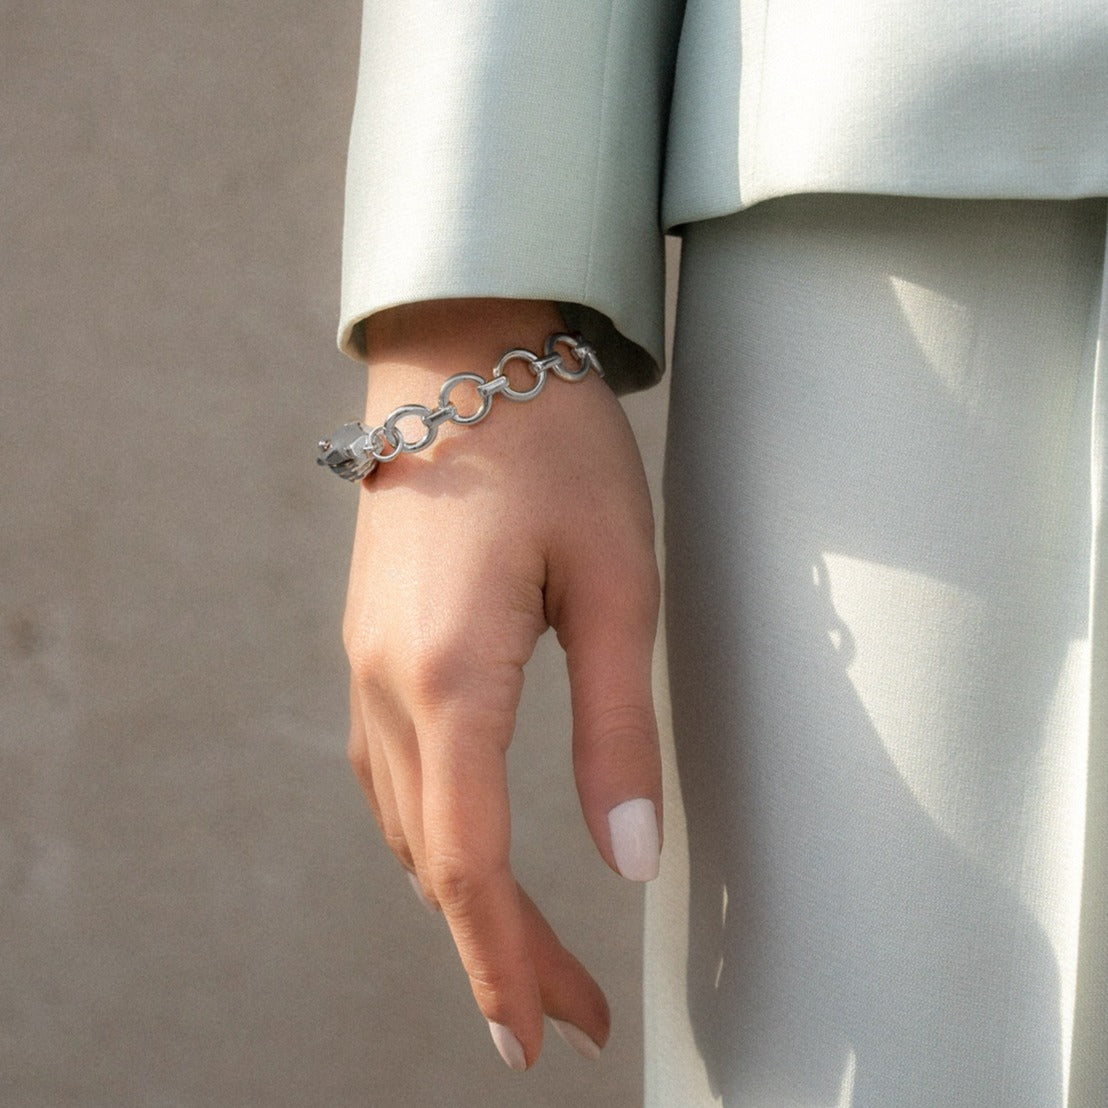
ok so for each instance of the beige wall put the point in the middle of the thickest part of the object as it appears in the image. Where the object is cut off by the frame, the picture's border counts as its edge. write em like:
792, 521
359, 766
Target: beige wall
196, 909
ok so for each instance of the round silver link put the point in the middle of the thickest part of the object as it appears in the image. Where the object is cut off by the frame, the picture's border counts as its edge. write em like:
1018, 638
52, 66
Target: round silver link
352, 452
533, 365
379, 438
447, 391
409, 411
581, 353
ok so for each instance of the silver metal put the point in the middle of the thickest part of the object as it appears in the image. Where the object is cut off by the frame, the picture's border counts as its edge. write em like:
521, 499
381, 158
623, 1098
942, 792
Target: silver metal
354, 452
532, 363
581, 352
491, 387
447, 391
411, 411
442, 414
379, 439
347, 452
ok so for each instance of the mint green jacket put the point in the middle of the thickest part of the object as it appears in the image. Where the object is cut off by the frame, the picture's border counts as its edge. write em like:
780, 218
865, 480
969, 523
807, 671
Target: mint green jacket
537, 148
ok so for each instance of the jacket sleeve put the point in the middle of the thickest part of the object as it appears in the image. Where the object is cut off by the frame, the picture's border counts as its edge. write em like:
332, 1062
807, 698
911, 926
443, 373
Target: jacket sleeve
513, 148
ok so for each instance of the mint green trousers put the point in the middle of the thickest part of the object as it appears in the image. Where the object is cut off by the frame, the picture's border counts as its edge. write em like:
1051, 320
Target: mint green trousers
884, 881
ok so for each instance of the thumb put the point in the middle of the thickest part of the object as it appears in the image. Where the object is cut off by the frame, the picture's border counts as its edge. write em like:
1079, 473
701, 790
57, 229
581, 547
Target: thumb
606, 624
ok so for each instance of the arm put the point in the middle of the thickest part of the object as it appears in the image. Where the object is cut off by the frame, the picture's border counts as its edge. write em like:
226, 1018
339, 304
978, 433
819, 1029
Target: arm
513, 155
464, 554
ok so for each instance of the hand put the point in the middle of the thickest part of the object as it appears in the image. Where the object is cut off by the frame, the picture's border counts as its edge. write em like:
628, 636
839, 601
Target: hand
463, 555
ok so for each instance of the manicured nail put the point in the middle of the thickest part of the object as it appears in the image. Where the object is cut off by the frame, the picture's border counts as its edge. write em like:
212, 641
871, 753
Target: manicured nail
634, 828
577, 1039
508, 1045
421, 894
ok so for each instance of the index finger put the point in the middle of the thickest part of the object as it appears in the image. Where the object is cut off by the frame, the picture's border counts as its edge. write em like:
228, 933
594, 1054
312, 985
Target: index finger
467, 839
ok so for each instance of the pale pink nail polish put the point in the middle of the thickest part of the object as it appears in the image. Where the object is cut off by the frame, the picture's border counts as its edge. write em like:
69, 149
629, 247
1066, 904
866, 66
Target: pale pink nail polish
634, 828
508, 1045
577, 1039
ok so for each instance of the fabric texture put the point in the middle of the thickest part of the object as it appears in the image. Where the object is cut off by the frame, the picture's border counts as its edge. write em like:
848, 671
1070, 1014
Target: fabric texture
515, 147
885, 573
886, 886
983, 99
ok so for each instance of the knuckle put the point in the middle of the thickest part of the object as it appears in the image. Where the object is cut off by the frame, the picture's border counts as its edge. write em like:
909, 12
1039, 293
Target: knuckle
435, 671
430, 657
452, 652
459, 883
366, 652
625, 724
624, 739
491, 985
478, 688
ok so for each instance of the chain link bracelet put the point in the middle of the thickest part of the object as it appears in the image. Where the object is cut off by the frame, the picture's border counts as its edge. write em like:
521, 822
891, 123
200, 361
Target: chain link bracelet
353, 452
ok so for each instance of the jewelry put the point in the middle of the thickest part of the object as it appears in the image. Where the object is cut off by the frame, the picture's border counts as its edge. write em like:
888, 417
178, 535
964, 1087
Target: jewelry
353, 452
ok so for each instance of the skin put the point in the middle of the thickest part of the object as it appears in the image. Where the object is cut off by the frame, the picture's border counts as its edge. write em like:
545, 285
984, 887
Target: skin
463, 555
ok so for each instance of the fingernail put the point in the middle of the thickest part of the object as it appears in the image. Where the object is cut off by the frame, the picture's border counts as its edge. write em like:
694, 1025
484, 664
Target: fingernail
634, 828
577, 1039
508, 1045
421, 894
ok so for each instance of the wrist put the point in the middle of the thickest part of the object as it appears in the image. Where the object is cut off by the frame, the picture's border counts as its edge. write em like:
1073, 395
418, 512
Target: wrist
435, 338
465, 396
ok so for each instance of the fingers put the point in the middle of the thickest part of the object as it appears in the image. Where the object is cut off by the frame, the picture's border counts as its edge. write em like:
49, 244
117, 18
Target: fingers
358, 752
439, 789
386, 781
574, 1002
432, 720
517, 967
607, 626
602, 597
434, 773
438, 657
467, 830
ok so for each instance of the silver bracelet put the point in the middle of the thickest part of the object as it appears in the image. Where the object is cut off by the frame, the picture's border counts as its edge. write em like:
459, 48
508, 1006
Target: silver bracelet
353, 452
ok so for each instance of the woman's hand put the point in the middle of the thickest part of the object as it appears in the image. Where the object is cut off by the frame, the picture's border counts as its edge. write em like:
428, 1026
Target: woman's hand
463, 555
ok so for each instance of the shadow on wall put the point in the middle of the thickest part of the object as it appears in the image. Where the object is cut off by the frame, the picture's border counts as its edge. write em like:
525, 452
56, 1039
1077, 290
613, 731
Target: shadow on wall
884, 857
